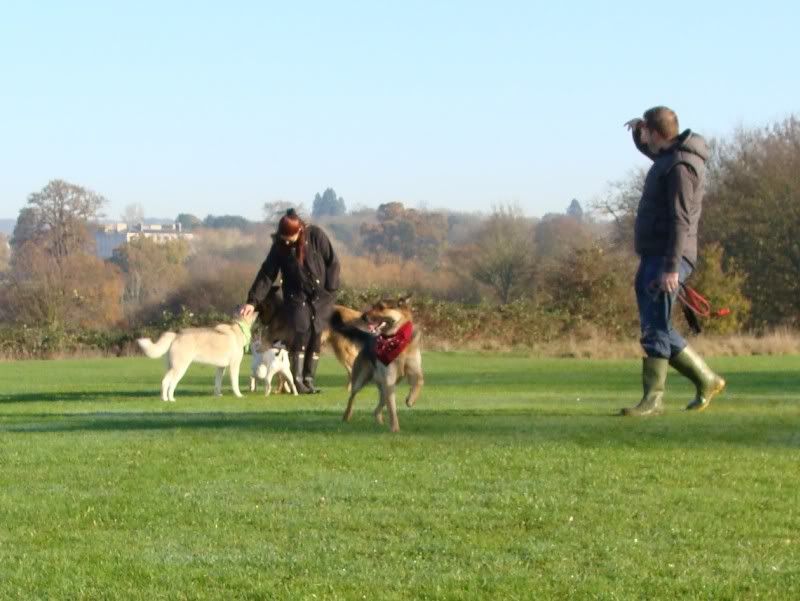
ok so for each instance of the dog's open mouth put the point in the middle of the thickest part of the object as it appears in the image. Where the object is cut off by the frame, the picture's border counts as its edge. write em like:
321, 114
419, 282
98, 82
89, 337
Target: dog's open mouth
377, 327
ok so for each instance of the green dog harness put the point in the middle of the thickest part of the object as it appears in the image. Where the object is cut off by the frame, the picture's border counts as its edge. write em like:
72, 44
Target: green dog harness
246, 332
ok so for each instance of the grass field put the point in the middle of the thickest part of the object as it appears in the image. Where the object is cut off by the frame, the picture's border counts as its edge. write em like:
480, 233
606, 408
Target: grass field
511, 479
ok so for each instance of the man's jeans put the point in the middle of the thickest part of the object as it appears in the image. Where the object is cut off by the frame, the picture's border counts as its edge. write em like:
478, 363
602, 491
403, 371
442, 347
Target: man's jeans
659, 338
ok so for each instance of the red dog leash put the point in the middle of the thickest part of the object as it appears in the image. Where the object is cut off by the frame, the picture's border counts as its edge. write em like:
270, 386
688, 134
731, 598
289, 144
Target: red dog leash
696, 305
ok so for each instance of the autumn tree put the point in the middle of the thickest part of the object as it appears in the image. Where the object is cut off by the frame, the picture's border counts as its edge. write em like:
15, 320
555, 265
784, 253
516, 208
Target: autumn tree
752, 209
152, 269
722, 283
502, 254
59, 217
558, 235
593, 285
78, 290
405, 233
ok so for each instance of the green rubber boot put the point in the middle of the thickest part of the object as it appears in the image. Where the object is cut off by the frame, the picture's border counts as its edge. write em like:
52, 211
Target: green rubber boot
708, 384
654, 378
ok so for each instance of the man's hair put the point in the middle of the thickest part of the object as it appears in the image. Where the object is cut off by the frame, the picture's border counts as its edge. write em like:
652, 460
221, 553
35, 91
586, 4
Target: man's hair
662, 120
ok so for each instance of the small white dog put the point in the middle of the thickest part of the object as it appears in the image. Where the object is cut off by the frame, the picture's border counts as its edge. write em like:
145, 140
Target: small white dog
265, 366
221, 346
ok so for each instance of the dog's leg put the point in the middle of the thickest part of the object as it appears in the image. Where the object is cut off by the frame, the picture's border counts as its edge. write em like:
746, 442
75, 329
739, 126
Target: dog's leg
234, 368
391, 401
288, 383
177, 372
415, 379
362, 373
268, 384
218, 381
165, 382
378, 413
271, 373
388, 379
349, 371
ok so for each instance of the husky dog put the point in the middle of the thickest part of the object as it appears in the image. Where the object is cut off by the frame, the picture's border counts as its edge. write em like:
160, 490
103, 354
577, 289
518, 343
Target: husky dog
390, 349
272, 362
222, 346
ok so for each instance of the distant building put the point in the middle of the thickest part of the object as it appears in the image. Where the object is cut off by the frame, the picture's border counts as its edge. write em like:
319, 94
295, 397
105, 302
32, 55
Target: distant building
111, 236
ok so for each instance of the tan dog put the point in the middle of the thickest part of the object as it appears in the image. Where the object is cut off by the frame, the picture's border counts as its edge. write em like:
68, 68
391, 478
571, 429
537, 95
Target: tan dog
221, 346
390, 349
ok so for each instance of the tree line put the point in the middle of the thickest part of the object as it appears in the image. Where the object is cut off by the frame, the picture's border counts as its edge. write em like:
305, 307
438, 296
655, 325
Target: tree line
576, 267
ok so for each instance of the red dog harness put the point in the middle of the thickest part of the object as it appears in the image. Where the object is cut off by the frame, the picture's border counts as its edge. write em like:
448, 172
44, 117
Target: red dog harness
388, 348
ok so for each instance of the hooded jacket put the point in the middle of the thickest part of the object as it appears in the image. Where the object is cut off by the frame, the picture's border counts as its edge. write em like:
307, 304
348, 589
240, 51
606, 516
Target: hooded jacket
309, 290
672, 198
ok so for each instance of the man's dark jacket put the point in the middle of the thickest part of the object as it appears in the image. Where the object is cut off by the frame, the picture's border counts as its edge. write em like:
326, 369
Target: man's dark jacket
308, 291
669, 210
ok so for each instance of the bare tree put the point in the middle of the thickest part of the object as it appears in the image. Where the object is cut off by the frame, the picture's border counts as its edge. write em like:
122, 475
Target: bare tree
62, 212
503, 256
276, 209
620, 202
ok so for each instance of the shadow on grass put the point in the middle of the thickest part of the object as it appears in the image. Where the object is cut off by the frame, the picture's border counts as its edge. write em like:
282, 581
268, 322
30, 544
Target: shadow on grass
527, 427
77, 396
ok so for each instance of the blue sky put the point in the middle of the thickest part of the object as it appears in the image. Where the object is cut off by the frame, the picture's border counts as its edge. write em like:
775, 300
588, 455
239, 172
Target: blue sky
209, 107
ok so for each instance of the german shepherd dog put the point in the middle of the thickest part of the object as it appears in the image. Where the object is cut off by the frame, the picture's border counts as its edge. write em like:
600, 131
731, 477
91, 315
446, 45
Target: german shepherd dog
390, 349
275, 326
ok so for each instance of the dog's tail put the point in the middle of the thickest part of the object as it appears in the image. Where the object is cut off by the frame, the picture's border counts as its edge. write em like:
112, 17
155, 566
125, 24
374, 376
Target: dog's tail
350, 332
157, 349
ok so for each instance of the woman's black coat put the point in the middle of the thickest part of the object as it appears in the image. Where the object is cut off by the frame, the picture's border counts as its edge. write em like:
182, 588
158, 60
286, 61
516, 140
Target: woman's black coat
309, 292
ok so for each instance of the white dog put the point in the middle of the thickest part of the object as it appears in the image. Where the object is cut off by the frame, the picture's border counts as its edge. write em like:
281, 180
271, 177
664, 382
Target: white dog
222, 346
274, 361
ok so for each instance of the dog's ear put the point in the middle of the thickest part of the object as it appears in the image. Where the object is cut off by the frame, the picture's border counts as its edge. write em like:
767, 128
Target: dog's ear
404, 301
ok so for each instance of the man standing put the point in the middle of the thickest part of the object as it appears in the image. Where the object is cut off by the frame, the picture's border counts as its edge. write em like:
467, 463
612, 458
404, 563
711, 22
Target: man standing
665, 236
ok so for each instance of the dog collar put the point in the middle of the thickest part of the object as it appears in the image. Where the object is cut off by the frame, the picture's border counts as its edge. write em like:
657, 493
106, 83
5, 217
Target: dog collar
246, 332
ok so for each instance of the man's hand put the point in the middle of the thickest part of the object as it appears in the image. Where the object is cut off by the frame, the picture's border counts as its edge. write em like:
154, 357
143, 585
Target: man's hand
669, 282
246, 310
634, 123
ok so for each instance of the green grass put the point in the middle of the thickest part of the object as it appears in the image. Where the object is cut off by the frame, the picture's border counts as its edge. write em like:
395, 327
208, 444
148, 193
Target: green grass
511, 479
